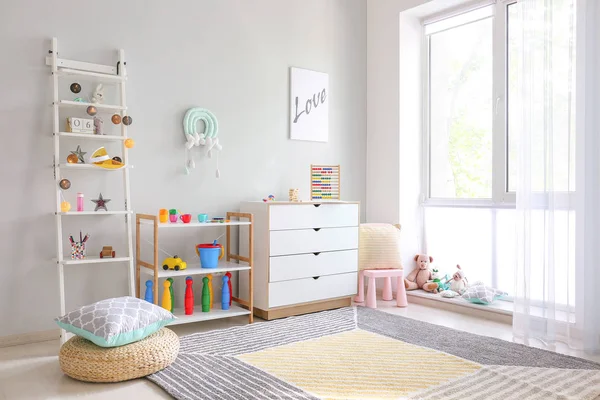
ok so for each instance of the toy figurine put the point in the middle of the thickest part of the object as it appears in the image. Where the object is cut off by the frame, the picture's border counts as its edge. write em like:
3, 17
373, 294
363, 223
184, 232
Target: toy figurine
98, 126
225, 293
149, 295
166, 298
189, 296
172, 294
205, 295
228, 274
107, 252
174, 263
210, 289
98, 95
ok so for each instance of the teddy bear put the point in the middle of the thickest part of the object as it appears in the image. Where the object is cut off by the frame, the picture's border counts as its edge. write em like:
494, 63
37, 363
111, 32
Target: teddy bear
419, 276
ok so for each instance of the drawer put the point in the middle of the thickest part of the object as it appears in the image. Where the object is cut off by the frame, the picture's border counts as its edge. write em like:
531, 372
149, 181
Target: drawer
302, 216
308, 289
284, 268
303, 241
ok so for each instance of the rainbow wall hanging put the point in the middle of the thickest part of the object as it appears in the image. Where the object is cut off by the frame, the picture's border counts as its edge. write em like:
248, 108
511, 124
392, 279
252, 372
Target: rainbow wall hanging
324, 182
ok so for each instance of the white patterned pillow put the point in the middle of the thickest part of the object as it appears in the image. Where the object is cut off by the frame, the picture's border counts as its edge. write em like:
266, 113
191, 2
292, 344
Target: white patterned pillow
379, 247
481, 294
116, 322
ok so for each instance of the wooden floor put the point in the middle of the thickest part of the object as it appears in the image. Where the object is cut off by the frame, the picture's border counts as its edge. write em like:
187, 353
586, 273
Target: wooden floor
32, 371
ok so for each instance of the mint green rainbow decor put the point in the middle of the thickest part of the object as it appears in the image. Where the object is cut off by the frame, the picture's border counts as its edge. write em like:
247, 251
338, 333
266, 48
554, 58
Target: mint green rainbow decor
208, 138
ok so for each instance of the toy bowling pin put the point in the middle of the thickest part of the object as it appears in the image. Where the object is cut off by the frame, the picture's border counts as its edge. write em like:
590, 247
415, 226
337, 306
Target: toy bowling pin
225, 294
189, 296
228, 274
172, 294
149, 295
210, 289
205, 295
166, 298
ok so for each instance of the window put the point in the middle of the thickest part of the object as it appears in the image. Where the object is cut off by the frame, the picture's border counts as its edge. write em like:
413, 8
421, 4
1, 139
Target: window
466, 161
460, 104
470, 148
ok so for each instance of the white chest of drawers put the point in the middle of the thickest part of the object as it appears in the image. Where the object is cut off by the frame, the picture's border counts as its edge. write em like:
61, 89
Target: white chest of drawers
305, 256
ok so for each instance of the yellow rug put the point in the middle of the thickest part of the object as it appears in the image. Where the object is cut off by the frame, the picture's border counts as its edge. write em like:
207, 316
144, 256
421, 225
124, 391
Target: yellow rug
359, 364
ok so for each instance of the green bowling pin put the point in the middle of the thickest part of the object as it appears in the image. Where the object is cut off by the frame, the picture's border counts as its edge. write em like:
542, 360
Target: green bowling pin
205, 295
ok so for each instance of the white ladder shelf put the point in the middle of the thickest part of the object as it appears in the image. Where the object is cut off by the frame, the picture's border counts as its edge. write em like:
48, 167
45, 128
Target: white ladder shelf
101, 74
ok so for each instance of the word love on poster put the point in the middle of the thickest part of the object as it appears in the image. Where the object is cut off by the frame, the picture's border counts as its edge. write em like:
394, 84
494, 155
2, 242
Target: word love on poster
309, 102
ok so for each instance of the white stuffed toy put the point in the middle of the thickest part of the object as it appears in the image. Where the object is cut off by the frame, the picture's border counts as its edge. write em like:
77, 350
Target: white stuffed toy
98, 95
458, 284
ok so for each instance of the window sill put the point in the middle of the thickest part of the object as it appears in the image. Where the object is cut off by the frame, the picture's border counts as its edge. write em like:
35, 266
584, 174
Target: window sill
466, 203
500, 311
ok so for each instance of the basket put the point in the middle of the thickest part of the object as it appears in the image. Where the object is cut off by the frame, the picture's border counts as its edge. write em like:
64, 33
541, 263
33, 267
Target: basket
83, 360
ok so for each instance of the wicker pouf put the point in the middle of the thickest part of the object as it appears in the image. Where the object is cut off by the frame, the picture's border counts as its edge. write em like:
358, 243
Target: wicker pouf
83, 360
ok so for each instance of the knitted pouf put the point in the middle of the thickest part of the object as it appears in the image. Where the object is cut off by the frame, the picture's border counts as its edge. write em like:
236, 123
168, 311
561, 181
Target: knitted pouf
83, 360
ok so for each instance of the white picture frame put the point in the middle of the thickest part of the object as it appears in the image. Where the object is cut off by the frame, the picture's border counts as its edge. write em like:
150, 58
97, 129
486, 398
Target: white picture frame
309, 105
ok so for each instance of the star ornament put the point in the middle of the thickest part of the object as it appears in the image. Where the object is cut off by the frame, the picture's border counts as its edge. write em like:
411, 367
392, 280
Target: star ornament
101, 203
79, 154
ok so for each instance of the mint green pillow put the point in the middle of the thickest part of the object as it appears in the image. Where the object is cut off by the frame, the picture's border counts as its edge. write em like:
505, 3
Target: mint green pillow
116, 322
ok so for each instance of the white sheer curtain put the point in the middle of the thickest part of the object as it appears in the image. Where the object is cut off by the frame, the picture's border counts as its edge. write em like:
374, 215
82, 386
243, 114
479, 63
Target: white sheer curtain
558, 222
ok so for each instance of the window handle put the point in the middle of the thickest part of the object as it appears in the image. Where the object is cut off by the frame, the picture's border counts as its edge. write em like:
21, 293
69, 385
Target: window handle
496, 106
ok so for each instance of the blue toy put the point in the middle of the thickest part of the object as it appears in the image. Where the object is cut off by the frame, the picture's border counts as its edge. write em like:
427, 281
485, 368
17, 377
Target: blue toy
225, 293
149, 295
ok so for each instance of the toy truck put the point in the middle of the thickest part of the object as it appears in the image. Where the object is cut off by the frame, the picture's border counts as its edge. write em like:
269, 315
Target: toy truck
107, 252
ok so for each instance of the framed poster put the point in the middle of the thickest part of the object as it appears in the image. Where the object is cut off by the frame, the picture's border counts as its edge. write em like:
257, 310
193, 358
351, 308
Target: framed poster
309, 105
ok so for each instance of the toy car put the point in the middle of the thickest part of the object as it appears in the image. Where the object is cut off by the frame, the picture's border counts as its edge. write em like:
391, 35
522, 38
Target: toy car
175, 263
107, 252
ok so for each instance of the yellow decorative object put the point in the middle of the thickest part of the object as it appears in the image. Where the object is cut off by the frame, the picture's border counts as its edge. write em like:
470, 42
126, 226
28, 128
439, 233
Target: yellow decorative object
129, 143
65, 206
72, 159
174, 263
166, 299
210, 289
101, 159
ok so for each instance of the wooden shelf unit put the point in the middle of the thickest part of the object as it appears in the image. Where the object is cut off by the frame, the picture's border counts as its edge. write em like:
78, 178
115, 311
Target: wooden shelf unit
231, 263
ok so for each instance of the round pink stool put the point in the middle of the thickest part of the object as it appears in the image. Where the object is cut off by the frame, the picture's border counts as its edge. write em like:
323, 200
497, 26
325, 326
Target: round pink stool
388, 274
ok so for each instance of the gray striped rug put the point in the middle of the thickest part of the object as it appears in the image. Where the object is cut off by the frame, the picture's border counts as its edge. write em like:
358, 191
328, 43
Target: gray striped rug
208, 366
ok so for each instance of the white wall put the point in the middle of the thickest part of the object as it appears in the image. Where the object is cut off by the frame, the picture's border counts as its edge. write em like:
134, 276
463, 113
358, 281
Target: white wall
393, 164
230, 56
395, 115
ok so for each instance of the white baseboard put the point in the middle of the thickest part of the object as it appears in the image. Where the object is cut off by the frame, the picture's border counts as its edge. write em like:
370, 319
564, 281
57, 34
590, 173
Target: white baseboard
27, 338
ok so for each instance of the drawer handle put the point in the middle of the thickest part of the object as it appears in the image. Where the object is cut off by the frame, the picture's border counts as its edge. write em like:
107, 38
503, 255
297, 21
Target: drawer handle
316, 277
316, 205
317, 253
317, 229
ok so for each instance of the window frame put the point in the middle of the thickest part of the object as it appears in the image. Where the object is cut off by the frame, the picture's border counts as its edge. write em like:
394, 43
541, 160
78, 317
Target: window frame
501, 197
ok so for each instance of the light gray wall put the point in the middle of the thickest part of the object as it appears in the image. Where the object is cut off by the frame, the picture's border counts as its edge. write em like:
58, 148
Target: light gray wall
230, 56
